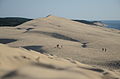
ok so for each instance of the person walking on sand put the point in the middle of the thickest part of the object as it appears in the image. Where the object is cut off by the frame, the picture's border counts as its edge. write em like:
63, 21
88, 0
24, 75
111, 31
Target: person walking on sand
59, 46
105, 49
102, 49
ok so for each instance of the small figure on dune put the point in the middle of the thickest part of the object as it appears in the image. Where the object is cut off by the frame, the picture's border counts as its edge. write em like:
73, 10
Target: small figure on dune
59, 46
49, 15
84, 45
104, 49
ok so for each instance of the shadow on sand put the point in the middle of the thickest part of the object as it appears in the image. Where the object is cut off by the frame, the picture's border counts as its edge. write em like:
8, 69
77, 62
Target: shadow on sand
113, 64
57, 35
35, 48
5, 41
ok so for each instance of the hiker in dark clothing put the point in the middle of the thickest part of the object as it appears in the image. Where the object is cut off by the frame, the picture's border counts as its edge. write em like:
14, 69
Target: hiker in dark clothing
102, 49
84, 45
59, 46
105, 49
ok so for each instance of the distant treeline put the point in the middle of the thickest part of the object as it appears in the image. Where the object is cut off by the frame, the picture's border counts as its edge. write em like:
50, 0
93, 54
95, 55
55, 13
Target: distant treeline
12, 21
91, 22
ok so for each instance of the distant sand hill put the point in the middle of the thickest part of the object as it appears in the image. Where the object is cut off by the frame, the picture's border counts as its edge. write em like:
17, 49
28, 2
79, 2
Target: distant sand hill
96, 46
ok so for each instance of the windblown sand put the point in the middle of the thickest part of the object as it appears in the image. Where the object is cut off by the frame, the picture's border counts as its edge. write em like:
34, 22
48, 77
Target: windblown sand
61, 42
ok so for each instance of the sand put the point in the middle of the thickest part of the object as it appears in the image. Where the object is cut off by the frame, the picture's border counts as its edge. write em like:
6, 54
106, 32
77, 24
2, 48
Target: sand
64, 39
18, 63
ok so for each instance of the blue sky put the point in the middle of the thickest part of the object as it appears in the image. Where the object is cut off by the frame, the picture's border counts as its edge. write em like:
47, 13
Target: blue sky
73, 9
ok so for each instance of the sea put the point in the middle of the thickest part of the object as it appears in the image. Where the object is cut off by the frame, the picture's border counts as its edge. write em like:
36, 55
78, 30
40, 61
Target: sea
112, 24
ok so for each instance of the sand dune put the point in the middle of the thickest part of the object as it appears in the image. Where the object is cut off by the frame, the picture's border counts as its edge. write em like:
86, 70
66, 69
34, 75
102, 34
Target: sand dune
66, 38
18, 63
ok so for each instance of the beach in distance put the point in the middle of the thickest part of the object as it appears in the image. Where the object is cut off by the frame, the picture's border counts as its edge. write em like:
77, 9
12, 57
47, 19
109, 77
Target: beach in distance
112, 24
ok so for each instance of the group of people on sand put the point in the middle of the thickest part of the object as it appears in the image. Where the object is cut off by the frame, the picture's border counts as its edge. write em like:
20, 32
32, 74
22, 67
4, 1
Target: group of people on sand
59, 46
84, 45
104, 49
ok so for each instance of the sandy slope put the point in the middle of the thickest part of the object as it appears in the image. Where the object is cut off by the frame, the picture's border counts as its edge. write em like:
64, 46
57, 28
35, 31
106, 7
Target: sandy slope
43, 35
18, 63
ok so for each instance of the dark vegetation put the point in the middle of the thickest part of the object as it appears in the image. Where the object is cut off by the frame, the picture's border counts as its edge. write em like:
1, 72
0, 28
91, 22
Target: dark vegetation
89, 22
12, 21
